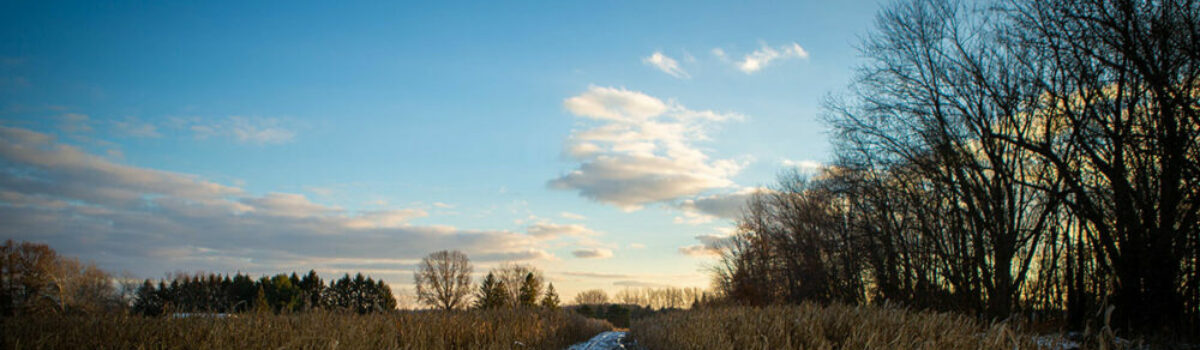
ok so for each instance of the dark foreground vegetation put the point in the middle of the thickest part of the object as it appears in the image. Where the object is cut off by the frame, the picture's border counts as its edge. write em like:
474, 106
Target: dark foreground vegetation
810, 326
1037, 159
477, 329
56, 302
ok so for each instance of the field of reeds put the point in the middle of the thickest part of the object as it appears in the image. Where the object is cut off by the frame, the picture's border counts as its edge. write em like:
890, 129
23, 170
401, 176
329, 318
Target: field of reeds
823, 327
495, 329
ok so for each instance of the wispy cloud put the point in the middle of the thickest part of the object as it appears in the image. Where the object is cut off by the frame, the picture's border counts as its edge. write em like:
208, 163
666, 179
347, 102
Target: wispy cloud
242, 129
639, 149
640, 284
595, 274
75, 123
592, 253
572, 216
666, 65
552, 231
759, 59
136, 128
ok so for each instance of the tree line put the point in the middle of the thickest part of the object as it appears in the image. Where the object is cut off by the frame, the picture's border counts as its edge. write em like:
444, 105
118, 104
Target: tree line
34, 279
215, 293
998, 158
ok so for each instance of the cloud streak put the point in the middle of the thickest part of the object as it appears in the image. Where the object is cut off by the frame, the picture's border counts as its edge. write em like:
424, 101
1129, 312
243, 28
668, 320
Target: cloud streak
260, 131
761, 58
592, 253
666, 65
123, 216
552, 231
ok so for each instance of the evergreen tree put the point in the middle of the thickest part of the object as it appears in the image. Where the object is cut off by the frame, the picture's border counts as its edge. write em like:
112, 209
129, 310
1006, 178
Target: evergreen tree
384, 298
530, 289
261, 305
243, 292
492, 293
311, 288
550, 300
147, 301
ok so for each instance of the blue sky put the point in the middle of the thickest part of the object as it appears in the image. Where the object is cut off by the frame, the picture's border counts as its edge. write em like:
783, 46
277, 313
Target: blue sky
604, 142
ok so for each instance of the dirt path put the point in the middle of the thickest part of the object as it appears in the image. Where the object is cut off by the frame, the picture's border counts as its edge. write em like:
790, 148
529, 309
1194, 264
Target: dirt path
602, 341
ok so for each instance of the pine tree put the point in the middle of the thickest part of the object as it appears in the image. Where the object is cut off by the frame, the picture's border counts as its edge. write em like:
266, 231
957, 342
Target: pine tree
147, 301
492, 293
384, 298
311, 288
550, 301
261, 305
529, 291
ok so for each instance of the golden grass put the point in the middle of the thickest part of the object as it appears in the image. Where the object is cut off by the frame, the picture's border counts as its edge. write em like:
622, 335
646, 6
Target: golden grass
494, 329
821, 327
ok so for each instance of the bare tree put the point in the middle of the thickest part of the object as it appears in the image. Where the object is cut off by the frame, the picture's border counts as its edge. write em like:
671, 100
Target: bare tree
83, 287
1120, 81
591, 297
1001, 157
514, 276
443, 280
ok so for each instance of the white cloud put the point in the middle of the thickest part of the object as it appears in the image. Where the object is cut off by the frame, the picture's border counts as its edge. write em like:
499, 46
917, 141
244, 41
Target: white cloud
637, 246
641, 150
666, 65
572, 216
123, 217
803, 165
759, 59
592, 253
384, 218
443, 205
552, 231
603, 103
698, 250
243, 129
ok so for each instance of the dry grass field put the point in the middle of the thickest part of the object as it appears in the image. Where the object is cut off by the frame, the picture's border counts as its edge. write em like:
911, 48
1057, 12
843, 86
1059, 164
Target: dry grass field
498, 329
818, 327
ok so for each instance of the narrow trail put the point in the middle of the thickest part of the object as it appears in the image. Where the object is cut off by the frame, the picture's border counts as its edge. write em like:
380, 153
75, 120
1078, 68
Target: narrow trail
603, 341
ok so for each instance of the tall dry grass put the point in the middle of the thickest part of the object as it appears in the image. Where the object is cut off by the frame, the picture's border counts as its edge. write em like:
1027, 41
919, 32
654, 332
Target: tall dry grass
821, 327
493, 329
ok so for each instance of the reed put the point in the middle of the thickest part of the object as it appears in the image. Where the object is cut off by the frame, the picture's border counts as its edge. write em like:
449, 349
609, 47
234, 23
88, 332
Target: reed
481, 329
823, 327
